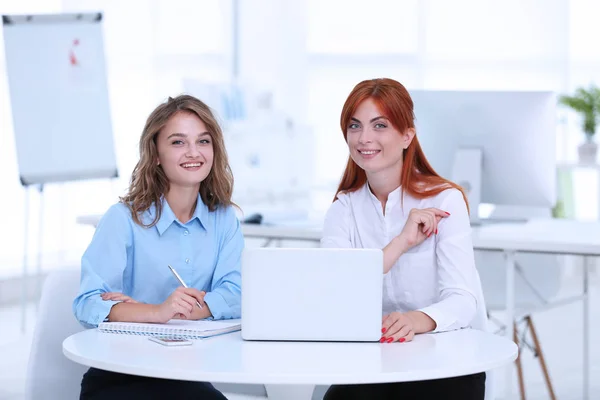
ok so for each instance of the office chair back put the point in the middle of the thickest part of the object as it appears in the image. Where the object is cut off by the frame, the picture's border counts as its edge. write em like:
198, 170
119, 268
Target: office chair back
50, 374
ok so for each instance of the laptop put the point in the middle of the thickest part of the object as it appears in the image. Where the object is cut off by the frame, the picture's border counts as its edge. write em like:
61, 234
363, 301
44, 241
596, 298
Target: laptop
312, 294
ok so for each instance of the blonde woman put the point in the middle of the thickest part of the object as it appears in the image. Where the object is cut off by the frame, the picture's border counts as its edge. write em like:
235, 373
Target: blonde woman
178, 211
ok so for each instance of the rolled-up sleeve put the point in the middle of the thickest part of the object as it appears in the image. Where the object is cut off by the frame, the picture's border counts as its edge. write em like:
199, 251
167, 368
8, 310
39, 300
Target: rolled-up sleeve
224, 299
102, 267
336, 231
457, 275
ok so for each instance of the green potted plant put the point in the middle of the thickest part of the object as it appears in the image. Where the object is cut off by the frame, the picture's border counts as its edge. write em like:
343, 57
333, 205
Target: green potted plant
586, 102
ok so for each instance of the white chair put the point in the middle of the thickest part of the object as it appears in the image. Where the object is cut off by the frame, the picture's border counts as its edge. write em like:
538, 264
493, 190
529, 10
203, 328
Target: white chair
52, 376
538, 283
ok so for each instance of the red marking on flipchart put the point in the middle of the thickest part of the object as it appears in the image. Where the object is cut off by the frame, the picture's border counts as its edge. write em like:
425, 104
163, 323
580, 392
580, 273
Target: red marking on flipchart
72, 57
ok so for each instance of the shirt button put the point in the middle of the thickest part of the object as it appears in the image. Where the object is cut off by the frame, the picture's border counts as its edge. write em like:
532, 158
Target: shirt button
187, 260
185, 233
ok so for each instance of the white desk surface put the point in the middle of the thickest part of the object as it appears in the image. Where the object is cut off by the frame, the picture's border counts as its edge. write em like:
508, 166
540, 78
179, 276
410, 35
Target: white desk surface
559, 236
537, 235
230, 359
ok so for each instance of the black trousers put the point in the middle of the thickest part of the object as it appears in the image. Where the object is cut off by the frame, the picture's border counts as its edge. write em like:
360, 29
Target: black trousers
98, 384
469, 387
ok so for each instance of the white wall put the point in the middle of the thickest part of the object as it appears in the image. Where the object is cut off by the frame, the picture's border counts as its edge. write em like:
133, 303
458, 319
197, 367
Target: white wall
430, 44
273, 51
310, 53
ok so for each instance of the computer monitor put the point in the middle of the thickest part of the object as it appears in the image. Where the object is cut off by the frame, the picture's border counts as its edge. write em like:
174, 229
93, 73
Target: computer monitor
514, 133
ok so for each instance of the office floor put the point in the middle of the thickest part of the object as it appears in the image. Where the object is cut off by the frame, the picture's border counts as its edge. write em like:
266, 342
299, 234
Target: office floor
558, 329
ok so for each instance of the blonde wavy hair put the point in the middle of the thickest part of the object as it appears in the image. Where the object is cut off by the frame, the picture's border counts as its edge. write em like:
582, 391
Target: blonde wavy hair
149, 182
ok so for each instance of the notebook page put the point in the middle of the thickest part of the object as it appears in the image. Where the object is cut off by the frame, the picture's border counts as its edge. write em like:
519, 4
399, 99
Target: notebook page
202, 326
173, 327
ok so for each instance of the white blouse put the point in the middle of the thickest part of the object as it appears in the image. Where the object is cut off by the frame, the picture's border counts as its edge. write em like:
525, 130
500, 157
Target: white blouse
437, 277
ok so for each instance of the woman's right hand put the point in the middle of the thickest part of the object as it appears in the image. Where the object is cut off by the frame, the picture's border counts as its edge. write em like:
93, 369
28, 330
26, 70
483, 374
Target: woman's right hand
178, 305
116, 296
421, 223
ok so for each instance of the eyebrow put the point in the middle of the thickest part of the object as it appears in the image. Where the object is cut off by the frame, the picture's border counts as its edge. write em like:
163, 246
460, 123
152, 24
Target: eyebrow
183, 135
372, 120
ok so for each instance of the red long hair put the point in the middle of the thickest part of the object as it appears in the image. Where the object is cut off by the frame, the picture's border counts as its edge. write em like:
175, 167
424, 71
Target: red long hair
418, 178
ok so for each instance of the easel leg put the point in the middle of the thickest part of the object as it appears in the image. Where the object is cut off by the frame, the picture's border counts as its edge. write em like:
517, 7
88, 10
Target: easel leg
24, 291
38, 275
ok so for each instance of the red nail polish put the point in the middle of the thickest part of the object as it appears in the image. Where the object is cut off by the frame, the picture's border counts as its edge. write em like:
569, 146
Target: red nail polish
402, 339
382, 340
382, 330
390, 340
447, 213
436, 231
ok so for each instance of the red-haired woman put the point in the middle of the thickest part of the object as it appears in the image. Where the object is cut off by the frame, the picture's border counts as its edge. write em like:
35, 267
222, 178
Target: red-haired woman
391, 198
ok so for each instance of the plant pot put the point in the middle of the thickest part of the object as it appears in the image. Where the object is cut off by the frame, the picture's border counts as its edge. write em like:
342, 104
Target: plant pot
587, 152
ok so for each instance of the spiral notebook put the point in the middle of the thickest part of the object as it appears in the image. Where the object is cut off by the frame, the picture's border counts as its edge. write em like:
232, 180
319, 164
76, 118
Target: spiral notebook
175, 329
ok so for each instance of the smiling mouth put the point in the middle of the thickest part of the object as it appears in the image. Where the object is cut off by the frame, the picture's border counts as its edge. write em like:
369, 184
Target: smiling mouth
192, 165
368, 152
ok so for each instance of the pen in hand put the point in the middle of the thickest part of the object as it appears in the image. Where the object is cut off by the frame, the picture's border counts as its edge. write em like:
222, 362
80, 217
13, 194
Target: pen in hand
182, 282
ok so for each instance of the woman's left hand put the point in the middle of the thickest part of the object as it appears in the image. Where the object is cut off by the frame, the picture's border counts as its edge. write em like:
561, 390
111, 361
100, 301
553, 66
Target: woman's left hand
397, 327
116, 296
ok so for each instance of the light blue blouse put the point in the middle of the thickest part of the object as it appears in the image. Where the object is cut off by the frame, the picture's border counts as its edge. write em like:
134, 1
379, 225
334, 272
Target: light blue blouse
128, 258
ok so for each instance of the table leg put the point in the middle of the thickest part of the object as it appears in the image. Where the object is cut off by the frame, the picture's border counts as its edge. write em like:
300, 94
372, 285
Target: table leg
509, 257
586, 329
289, 392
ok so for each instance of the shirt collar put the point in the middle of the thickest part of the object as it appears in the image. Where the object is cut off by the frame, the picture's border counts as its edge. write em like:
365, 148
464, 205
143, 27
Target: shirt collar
167, 216
201, 212
393, 197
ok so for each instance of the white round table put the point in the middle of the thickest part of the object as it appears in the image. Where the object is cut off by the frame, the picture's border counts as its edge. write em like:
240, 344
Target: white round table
229, 359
